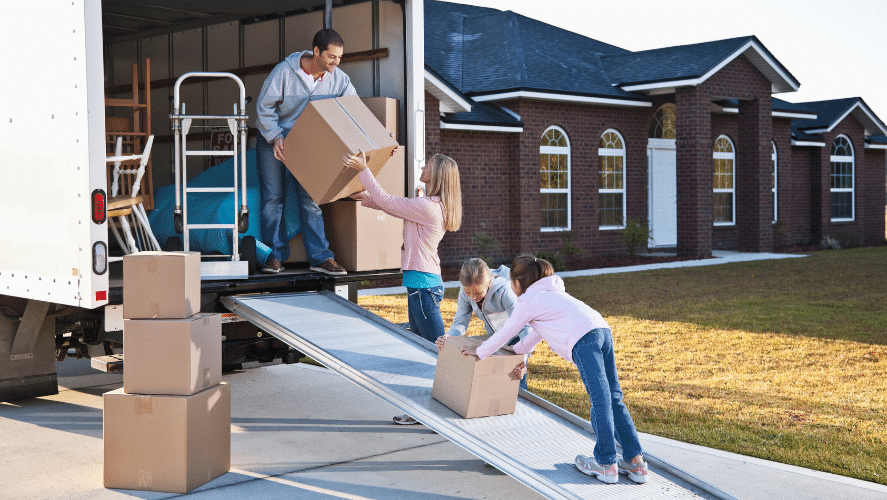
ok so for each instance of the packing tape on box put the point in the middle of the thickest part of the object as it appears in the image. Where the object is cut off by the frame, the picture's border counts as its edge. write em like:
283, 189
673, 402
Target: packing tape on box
143, 406
146, 479
362, 131
206, 378
154, 308
151, 265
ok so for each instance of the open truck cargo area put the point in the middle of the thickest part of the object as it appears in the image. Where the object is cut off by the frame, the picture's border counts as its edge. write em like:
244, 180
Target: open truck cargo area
105, 69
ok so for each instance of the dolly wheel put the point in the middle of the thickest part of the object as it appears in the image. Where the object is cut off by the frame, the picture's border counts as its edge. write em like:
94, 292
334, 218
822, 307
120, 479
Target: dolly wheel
248, 253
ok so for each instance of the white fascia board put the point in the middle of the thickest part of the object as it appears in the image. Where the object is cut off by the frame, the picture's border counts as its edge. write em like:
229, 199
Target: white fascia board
776, 114
876, 146
808, 144
867, 114
696, 81
523, 94
482, 128
445, 95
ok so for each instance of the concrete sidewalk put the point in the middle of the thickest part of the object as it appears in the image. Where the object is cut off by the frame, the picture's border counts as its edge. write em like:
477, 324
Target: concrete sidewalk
720, 257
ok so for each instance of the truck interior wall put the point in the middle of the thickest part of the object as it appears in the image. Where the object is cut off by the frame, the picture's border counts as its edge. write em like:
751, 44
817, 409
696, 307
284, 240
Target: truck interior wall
242, 44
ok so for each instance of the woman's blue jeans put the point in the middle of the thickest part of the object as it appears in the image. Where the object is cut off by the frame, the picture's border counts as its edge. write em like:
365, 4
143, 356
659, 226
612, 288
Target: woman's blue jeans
594, 357
272, 189
423, 309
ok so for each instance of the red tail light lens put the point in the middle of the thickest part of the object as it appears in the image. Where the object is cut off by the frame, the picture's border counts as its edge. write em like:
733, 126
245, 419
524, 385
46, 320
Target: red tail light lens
99, 206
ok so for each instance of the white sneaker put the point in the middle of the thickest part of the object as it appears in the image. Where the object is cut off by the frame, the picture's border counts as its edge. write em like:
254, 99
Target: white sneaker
604, 473
405, 420
636, 472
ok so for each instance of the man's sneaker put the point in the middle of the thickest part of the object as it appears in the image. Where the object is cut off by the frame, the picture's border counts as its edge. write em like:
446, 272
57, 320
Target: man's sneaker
605, 473
329, 266
635, 472
273, 266
405, 420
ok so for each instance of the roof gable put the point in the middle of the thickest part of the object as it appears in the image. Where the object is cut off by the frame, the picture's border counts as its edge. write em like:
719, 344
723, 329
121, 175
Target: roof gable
659, 70
832, 112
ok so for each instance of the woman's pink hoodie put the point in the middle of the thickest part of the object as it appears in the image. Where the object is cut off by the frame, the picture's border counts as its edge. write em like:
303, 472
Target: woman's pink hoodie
423, 224
555, 316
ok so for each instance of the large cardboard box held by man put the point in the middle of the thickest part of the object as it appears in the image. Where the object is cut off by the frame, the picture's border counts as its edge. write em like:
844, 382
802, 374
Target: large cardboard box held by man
166, 443
172, 356
161, 285
363, 239
326, 131
472, 387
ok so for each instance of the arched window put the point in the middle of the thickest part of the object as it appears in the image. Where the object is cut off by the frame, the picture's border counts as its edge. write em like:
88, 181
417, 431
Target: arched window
664, 123
611, 181
775, 159
723, 204
843, 185
554, 170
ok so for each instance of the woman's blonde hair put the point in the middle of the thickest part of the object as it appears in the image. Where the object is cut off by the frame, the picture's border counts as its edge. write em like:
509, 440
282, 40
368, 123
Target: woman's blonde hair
527, 270
445, 184
474, 272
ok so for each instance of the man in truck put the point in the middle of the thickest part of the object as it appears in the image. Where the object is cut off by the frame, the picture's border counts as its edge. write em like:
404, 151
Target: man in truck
300, 78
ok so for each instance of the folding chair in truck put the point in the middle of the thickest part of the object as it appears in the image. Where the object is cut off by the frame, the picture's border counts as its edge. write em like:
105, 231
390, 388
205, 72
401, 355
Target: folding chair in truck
237, 265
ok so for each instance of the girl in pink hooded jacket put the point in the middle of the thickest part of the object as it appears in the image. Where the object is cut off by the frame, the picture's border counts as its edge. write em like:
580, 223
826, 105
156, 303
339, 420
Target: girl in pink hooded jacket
582, 336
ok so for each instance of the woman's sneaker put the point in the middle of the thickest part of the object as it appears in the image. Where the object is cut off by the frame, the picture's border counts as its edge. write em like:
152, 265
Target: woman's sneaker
635, 472
405, 420
605, 473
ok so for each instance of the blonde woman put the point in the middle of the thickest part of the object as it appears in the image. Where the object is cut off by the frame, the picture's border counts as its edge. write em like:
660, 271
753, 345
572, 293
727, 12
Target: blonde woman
426, 219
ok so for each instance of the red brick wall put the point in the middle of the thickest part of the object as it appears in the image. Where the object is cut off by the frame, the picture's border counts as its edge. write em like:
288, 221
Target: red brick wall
500, 179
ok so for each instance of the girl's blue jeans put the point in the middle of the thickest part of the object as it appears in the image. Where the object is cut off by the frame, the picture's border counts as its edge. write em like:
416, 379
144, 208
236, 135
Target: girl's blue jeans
423, 309
594, 357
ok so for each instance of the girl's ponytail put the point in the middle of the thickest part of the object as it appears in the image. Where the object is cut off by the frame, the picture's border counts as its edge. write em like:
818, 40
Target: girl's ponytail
527, 269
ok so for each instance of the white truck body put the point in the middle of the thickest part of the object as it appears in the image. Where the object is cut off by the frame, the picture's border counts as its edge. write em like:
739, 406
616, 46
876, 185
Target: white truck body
52, 153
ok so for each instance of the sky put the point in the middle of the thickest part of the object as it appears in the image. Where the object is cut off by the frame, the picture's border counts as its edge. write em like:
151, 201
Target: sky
835, 49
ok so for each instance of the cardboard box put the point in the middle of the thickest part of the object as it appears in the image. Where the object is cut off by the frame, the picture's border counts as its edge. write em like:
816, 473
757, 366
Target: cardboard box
362, 239
326, 131
161, 285
392, 177
166, 443
172, 356
475, 388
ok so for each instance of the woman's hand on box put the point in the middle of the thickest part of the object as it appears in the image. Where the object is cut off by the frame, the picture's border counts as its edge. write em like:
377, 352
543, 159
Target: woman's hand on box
470, 351
278, 149
440, 341
357, 161
519, 371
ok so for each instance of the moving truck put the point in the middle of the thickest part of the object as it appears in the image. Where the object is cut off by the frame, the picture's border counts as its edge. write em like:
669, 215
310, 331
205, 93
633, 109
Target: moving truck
60, 274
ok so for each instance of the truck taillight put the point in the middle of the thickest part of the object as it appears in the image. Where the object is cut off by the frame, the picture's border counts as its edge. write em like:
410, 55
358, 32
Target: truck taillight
99, 257
99, 206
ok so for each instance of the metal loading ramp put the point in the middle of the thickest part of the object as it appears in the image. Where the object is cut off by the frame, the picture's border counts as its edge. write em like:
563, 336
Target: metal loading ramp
536, 445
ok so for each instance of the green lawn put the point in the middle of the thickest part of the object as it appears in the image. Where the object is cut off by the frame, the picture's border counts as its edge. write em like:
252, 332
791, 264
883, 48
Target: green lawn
784, 360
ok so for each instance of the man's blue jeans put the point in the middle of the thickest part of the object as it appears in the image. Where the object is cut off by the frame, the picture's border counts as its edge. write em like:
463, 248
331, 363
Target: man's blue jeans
594, 357
272, 190
423, 310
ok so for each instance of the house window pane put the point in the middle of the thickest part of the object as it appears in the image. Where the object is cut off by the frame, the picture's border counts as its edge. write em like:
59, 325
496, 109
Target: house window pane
723, 207
664, 124
554, 177
554, 210
723, 174
611, 213
842, 205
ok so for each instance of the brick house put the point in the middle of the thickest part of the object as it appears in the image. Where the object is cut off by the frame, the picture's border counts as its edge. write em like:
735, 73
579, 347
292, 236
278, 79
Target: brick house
555, 132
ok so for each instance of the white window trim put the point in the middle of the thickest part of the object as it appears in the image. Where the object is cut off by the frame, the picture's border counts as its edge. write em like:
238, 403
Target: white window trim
727, 156
775, 158
852, 190
558, 150
621, 153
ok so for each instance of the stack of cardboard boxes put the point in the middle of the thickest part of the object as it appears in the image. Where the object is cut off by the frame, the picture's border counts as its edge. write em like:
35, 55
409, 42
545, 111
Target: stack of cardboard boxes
169, 428
362, 239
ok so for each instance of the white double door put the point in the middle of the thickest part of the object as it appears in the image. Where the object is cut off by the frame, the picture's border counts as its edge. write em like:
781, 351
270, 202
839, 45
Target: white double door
662, 196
